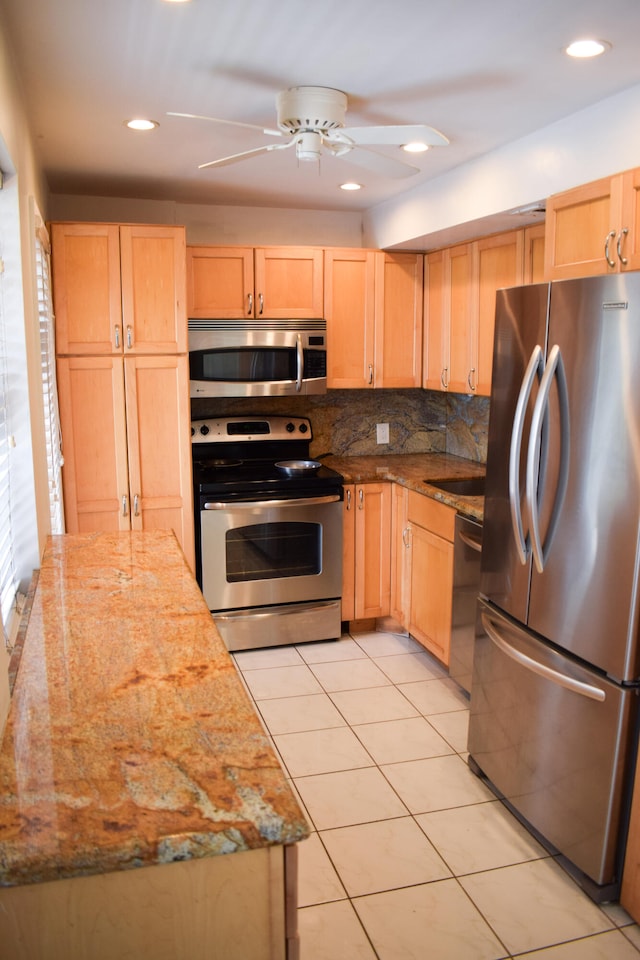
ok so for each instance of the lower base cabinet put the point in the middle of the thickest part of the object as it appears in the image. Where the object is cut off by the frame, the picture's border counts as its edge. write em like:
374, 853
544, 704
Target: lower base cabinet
428, 576
366, 578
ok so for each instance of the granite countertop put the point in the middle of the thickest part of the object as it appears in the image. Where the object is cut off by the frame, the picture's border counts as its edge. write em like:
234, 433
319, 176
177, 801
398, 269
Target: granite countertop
412, 470
130, 739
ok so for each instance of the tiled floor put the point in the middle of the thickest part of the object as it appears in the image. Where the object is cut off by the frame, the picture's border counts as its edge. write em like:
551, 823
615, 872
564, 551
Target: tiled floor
411, 857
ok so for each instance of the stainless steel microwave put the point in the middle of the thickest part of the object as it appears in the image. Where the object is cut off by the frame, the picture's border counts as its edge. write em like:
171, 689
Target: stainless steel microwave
257, 358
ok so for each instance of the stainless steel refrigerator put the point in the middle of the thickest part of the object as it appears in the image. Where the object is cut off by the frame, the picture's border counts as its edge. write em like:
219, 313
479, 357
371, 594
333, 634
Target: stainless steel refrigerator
554, 702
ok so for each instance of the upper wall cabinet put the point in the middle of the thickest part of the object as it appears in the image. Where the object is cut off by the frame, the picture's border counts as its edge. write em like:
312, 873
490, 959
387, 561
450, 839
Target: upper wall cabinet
373, 308
269, 282
118, 289
459, 309
594, 229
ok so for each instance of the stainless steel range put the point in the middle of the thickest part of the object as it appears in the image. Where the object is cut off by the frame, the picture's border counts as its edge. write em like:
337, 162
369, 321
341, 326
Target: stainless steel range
268, 525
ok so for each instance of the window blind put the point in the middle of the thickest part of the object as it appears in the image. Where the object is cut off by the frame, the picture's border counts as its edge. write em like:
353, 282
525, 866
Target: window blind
8, 578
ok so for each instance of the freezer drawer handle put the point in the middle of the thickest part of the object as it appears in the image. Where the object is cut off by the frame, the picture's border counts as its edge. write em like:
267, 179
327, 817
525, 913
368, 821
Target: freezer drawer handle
534, 369
569, 683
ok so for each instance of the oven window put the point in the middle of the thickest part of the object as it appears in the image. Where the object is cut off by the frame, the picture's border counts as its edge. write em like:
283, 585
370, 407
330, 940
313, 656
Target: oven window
243, 364
269, 551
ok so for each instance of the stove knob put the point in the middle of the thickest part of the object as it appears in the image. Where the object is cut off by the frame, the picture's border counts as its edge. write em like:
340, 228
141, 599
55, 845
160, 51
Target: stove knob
193, 431
290, 427
303, 428
204, 430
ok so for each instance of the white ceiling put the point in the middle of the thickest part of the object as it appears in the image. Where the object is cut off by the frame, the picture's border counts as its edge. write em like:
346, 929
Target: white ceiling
484, 73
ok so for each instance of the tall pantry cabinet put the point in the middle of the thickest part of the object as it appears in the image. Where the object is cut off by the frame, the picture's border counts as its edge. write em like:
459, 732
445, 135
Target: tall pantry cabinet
123, 377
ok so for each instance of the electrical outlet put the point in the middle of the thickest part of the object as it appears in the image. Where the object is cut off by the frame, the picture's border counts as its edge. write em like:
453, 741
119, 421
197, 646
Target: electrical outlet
382, 433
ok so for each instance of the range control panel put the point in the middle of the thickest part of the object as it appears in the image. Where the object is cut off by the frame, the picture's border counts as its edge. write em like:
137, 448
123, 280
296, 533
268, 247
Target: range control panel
249, 429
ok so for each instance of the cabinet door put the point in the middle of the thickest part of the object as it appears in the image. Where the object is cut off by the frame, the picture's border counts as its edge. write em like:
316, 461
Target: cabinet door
431, 585
153, 267
220, 282
435, 361
398, 320
85, 266
349, 553
349, 300
460, 272
629, 249
578, 224
499, 264
373, 550
534, 254
158, 436
288, 282
399, 554
94, 442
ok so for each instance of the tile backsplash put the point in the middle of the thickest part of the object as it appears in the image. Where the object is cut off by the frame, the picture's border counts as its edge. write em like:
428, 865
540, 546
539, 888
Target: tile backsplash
344, 421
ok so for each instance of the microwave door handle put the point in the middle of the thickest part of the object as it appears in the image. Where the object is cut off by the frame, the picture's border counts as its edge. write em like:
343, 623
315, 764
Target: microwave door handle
299, 363
534, 369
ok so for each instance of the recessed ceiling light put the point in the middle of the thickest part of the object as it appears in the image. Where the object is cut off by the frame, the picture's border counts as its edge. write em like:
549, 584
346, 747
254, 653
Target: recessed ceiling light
351, 186
141, 124
415, 147
587, 48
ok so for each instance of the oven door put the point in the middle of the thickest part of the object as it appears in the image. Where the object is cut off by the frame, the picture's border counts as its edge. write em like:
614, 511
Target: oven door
269, 552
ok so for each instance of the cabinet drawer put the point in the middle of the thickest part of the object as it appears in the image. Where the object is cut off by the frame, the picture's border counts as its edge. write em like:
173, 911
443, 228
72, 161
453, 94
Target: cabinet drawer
431, 514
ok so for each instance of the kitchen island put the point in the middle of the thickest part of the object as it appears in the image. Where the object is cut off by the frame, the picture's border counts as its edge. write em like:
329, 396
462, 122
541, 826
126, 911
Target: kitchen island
143, 811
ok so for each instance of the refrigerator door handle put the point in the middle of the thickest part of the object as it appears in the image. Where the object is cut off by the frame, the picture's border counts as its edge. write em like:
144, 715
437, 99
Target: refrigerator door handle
534, 369
553, 369
569, 683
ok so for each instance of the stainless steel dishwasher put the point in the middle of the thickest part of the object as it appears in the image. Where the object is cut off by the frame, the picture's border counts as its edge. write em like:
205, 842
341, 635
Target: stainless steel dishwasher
466, 584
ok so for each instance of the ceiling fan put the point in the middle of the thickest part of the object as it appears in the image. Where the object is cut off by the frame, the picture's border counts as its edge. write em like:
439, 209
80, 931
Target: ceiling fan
313, 120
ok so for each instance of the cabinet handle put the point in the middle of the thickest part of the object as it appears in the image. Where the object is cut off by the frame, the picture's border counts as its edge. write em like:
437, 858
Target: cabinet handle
609, 237
124, 506
406, 539
444, 378
472, 386
623, 260
370, 374
348, 499
261, 302
136, 504
250, 304
129, 337
117, 336
360, 499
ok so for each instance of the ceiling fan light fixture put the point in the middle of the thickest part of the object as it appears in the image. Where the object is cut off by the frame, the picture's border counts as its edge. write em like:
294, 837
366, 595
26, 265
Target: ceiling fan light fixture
351, 185
416, 146
583, 49
139, 123
309, 146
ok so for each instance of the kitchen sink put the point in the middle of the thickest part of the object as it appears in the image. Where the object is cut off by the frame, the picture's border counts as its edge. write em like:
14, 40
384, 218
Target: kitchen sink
460, 486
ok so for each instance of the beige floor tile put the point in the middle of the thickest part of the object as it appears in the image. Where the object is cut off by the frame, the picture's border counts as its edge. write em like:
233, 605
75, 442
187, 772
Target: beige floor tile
454, 727
295, 714
380, 644
269, 657
479, 837
353, 796
332, 931
411, 667
373, 705
318, 881
603, 946
436, 784
349, 675
372, 857
331, 650
396, 740
321, 751
435, 696
285, 681
433, 921
534, 905
632, 934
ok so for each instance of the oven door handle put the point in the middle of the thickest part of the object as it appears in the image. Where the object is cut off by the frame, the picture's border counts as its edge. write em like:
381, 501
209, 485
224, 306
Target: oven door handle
250, 504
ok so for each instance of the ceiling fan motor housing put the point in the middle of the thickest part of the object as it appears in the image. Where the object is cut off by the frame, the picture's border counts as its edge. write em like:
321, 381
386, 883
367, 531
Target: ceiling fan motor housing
311, 108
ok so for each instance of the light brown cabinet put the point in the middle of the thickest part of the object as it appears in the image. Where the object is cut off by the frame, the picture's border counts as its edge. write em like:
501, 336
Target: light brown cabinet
126, 444
429, 573
118, 289
366, 585
459, 309
594, 228
373, 308
267, 282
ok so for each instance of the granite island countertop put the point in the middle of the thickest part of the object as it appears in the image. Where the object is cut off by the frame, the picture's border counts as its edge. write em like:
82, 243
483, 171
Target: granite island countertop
130, 739
413, 470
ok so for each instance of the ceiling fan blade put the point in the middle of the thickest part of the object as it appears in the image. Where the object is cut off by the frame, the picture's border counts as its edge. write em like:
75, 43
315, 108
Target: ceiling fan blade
395, 135
379, 163
234, 158
230, 123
